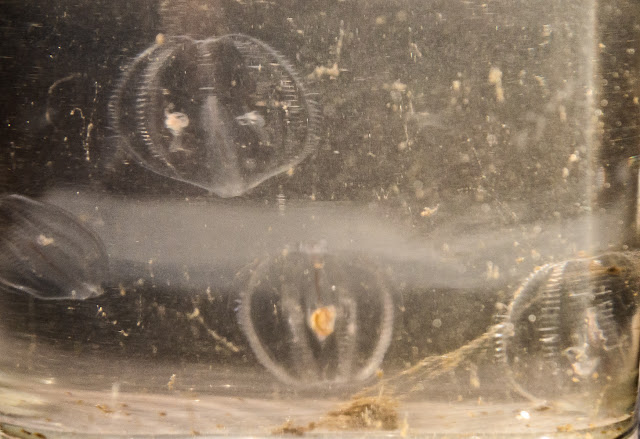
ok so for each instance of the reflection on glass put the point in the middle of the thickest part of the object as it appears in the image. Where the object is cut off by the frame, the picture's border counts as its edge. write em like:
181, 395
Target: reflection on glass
47, 253
223, 114
313, 318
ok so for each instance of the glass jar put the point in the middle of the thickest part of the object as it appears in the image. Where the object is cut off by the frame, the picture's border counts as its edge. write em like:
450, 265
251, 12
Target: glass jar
369, 218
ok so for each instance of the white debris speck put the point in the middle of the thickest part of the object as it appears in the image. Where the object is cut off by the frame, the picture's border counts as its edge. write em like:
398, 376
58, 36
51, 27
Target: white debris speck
175, 121
523, 415
251, 118
380, 20
428, 211
493, 271
320, 71
495, 77
172, 381
474, 380
562, 113
44, 241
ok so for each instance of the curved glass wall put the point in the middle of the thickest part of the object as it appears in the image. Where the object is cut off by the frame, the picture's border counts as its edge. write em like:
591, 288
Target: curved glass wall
360, 218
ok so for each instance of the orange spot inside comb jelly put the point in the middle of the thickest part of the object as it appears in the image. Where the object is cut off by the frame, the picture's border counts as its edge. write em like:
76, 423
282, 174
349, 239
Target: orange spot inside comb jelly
322, 321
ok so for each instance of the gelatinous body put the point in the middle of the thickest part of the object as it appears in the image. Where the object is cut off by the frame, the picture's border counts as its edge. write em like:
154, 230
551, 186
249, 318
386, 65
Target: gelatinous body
223, 114
47, 253
313, 318
569, 328
569, 336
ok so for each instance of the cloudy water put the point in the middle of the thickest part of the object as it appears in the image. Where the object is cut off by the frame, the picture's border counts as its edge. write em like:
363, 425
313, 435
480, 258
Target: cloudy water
379, 218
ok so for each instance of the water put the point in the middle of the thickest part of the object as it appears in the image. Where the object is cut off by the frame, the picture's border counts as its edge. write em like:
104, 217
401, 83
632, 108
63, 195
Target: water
381, 218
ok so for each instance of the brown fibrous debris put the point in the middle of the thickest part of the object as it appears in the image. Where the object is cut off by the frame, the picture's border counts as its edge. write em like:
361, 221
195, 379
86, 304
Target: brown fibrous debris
598, 269
296, 430
104, 408
29, 433
365, 413
614, 270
